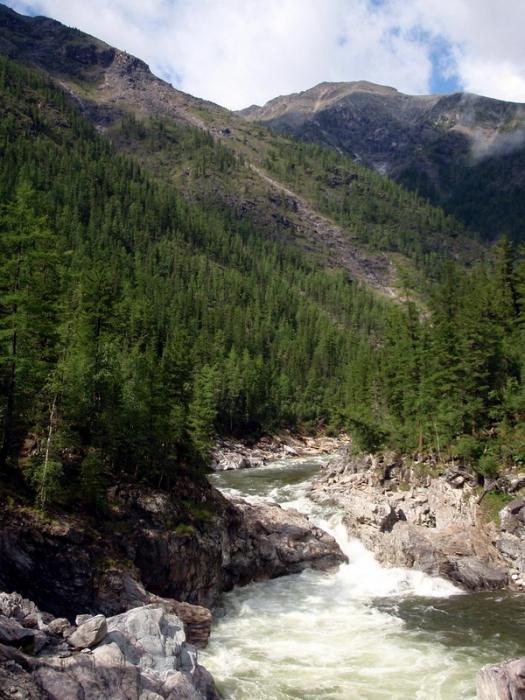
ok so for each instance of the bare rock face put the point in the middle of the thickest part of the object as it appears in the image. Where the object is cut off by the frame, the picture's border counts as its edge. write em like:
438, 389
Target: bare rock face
505, 681
272, 542
511, 538
139, 655
408, 515
462, 554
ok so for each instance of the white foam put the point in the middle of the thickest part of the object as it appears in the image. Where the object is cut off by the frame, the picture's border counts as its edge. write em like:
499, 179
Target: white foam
317, 635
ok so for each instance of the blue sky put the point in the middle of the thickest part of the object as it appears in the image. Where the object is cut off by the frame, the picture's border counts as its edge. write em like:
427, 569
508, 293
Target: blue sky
239, 52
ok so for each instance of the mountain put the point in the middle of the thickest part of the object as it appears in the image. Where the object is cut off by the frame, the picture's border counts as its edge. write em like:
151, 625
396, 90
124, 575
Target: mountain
462, 151
170, 272
344, 216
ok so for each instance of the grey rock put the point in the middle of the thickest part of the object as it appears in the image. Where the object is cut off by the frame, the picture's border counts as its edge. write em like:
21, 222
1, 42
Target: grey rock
90, 633
24, 611
143, 657
505, 681
409, 518
80, 619
511, 538
59, 626
148, 637
272, 541
13, 634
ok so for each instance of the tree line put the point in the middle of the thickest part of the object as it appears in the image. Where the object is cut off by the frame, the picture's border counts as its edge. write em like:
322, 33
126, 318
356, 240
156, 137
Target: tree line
135, 327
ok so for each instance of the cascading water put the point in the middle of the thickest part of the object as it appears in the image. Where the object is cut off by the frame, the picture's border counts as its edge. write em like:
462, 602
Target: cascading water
362, 633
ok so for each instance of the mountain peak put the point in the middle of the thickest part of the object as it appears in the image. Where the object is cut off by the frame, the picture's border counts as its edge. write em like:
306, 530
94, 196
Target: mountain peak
438, 145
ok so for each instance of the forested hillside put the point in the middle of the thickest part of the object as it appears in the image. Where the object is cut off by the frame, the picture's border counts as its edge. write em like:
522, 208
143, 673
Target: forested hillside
338, 213
136, 326
462, 151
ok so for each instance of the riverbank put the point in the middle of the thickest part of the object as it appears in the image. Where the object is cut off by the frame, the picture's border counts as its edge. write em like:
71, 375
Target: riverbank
148, 550
429, 515
359, 632
229, 453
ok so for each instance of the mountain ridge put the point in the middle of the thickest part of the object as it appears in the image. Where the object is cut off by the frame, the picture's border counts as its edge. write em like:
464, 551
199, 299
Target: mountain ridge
458, 150
110, 87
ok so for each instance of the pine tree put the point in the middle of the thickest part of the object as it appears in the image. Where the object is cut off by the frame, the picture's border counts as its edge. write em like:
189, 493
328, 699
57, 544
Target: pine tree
29, 287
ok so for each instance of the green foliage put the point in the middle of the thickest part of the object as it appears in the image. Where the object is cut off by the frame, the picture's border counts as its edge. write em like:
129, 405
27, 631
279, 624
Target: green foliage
487, 465
467, 447
184, 529
45, 476
198, 511
135, 327
92, 479
491, 505
373, 210
151, 324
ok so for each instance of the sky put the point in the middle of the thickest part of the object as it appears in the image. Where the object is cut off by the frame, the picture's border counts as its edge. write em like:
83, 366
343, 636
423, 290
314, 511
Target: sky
242, 52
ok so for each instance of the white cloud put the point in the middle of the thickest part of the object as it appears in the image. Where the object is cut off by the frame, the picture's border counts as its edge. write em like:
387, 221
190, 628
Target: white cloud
236, 52
488, 40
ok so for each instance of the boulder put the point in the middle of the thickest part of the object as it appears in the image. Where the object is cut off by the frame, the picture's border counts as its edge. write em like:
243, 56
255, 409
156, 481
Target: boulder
13, 634
23, 611
59, 626
144, 656
505, 681
89, 634
273, 541
80, 619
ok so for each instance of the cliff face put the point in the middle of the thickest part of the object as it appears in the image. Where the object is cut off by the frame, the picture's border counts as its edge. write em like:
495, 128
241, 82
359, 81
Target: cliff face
458, 150
428, 516
190, 545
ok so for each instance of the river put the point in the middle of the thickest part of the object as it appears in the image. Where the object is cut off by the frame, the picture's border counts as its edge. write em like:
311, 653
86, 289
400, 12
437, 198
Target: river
363, 632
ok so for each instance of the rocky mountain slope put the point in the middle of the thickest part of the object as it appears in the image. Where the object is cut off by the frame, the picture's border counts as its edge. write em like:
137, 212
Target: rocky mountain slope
149, 119
462, 151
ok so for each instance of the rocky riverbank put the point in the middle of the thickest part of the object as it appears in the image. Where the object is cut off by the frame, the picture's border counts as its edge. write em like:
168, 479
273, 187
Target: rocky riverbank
130, 567
418, 513
504, 681
141, 654
234, 454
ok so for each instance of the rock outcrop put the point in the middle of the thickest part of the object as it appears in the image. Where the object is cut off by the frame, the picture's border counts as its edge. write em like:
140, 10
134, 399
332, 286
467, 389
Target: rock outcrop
274, 542
504, 681
189, 545
128, 642
511, 537
141, 654
233, 454
409, 516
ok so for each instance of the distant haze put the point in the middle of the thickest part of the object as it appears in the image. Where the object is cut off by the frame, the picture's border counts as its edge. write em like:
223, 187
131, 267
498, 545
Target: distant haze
240, 52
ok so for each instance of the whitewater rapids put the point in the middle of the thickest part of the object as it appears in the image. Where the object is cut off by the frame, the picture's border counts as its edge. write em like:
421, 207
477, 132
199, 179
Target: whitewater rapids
362, 633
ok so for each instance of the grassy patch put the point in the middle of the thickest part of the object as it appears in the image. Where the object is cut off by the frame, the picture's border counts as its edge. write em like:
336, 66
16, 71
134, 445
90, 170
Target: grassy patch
198, 511
184, 529
491, 505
